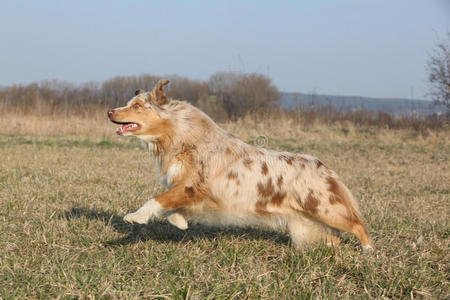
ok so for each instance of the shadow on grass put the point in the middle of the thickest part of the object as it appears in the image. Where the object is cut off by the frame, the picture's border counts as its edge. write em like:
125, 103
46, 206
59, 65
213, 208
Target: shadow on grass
162, 231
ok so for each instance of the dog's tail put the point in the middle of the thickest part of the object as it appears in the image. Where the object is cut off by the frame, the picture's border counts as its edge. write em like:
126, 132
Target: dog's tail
348, 217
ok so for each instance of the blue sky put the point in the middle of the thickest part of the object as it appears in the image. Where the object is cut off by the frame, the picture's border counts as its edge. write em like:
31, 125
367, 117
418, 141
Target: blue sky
347, 47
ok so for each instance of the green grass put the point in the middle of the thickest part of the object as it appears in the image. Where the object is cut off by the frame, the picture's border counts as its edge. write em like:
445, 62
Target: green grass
7, 140
62, 234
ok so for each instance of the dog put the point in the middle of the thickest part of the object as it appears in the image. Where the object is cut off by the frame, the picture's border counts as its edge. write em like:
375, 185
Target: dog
213, 177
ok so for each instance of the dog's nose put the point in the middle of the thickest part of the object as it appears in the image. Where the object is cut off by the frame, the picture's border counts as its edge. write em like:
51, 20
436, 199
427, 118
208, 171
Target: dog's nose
110, 113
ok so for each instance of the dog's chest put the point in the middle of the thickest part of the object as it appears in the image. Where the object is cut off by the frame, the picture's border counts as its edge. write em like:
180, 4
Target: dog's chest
174, 171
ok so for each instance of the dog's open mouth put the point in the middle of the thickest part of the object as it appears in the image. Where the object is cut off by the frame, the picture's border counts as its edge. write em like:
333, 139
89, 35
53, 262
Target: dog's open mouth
126, 127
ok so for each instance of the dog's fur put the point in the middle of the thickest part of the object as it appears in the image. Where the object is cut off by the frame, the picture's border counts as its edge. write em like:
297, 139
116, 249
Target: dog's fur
214, 177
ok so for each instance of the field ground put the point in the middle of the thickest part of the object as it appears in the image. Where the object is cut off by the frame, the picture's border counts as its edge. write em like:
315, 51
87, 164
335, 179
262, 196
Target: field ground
62, 235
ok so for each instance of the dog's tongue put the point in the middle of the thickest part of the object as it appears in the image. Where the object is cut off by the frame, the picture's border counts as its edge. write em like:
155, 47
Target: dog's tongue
125, 128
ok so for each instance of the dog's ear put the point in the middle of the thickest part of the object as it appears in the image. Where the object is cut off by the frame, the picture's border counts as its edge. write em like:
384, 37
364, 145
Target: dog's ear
138, 92
157, 94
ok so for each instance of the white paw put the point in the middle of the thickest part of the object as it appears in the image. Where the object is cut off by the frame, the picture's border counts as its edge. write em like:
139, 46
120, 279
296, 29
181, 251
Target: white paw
136, 218
367, 249
149, 210
178, 221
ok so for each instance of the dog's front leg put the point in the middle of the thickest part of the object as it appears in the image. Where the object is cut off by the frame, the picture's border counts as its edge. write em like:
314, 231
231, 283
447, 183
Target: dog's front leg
150, 209
178, 220
175, 198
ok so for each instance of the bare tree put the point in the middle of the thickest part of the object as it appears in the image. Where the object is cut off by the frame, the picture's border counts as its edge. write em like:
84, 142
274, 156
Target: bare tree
183, 88
222, 85
439, 73
244, 93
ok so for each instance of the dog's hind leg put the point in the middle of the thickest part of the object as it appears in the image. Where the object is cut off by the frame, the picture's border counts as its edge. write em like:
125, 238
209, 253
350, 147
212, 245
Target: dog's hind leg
304, 231
350, 223
338, 210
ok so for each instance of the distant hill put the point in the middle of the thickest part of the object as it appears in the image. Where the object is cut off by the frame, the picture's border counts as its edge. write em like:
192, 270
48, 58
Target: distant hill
395, 106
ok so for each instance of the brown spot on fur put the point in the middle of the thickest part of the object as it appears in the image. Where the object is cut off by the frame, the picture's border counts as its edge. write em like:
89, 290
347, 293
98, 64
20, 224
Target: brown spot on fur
287, 158
266, 190
311, 203
277, 199
232, 175
302, 159
228, 151
319, 163
189, 190
336, 194
187, 148
332, 185
201, 177
332, 199
264, 168
339, 195
280, 181
247, 163
352, 218
180, 196
205, 124
261, 207
326, 211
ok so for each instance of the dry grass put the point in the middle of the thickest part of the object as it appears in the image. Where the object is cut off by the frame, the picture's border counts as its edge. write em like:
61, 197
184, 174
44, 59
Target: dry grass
94, 125
66, 183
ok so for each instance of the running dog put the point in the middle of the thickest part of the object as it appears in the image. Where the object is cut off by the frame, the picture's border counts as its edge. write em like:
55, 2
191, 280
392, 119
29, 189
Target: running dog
213, 177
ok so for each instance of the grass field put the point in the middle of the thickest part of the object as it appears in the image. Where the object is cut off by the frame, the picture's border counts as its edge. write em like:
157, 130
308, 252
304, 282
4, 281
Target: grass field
63, 194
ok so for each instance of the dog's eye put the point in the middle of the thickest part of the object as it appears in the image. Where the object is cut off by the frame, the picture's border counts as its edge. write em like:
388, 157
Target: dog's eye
136, 106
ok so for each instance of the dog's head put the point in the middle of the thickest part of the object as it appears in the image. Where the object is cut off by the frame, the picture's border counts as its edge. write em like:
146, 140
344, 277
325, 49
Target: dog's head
141, 116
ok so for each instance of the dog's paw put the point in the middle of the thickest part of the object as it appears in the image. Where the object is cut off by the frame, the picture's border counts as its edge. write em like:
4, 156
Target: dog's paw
136, 218
367, 249
178, 221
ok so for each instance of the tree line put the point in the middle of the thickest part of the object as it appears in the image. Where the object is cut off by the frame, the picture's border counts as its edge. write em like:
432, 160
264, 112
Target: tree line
225, 95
